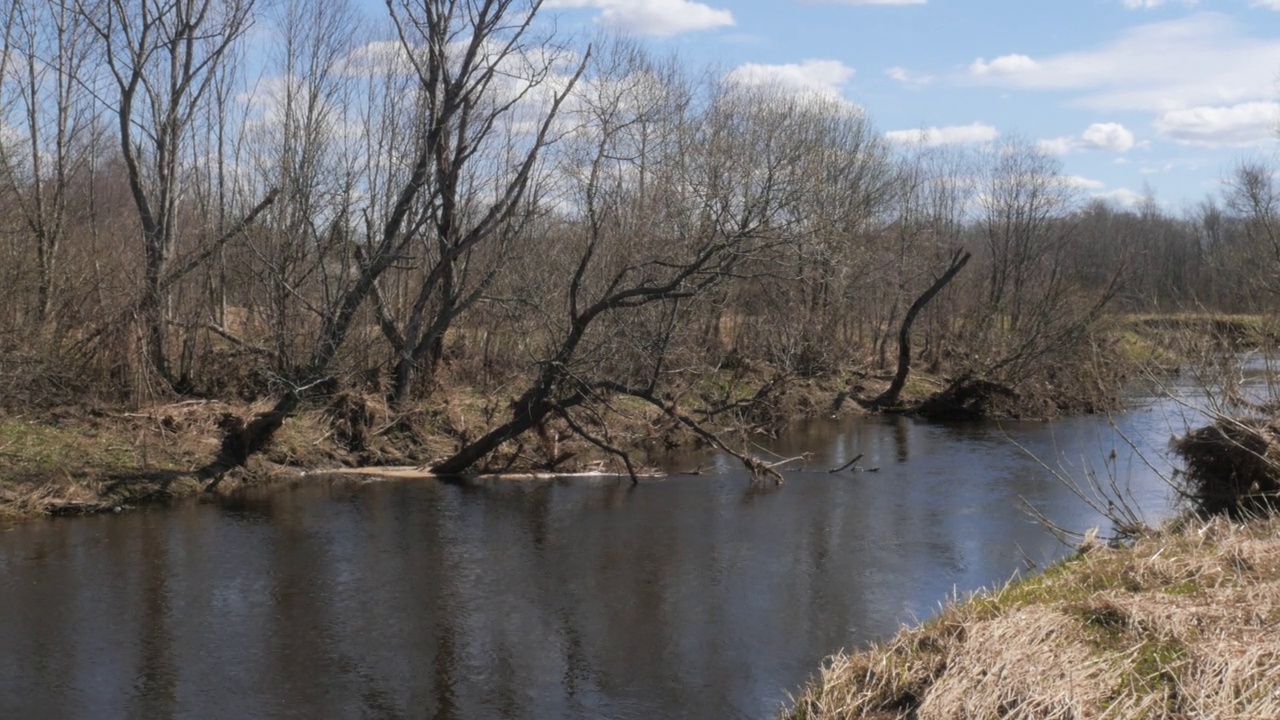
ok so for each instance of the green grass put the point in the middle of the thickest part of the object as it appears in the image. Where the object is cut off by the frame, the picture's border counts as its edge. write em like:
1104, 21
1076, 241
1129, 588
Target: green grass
29, 448
1246, 329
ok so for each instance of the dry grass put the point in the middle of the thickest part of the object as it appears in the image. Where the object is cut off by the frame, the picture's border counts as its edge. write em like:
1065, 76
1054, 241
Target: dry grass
1181, 625
76, 461
1241, 329
83, 460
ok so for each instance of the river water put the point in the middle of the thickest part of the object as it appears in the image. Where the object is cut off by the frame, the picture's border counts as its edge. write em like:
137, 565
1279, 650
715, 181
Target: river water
687, 597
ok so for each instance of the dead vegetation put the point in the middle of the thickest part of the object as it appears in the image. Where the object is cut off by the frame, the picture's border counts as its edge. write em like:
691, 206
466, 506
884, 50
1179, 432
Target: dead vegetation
1233, 467
1180, 625
78, 460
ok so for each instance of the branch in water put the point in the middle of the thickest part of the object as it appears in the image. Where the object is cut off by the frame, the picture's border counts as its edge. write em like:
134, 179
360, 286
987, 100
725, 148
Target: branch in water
758, 468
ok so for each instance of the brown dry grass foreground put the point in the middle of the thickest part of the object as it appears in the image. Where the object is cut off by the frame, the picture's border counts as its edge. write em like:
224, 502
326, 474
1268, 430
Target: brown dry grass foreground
1183, 624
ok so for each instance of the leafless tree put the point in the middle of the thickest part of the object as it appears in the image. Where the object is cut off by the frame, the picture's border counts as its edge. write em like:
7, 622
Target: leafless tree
161, 57
460, 56
723, 180
1025, 201
933, 213
481, 74
835, 224
41, 66
303, 137
1252, 198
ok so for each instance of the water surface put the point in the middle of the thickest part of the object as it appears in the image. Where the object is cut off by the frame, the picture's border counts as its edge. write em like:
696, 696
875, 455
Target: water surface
689, 597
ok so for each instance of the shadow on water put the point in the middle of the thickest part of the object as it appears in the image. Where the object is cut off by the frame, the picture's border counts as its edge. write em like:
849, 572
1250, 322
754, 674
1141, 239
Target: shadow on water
690, 597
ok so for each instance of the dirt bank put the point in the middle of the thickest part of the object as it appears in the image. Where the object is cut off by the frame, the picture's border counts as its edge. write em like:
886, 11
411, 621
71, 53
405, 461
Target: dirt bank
91, 460
1181, 625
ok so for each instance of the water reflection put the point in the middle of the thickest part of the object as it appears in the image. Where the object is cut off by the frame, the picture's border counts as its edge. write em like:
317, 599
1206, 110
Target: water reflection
690, 597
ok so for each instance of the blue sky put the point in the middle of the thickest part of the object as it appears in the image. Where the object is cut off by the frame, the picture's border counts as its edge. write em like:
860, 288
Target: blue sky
1127, 93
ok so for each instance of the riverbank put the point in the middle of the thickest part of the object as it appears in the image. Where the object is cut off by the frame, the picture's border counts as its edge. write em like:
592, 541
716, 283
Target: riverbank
71, 461
79, 460
1180, 624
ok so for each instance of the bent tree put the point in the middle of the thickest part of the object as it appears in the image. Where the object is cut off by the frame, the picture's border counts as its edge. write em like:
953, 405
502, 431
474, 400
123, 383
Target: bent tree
932, 201
890, 395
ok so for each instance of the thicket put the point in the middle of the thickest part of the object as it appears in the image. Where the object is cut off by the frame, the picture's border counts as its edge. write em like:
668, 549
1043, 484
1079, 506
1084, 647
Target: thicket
451, 195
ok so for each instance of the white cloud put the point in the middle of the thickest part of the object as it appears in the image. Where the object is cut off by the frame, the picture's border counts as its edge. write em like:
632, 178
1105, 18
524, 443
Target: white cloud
950, 135
1058, 145
1084, 183
1269, 4
1235, 125
653, 17
1111, 137
1124, 197
1148, 4
1202, 59
822, 77
1004, 65
906, 77
1108, 137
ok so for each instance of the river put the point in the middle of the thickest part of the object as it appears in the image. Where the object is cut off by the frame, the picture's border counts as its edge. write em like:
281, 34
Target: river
687, 597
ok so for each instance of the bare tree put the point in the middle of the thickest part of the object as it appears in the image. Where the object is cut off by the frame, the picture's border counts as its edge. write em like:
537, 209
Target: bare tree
41, 65
303, 138
1025, 199
459, 54
725, 168
1252, 197
932, 208
1038, 306
161, 56
835, 221
477, 70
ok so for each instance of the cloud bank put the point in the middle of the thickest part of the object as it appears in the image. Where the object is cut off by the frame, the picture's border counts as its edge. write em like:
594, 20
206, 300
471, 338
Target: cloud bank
973, 133
661, 18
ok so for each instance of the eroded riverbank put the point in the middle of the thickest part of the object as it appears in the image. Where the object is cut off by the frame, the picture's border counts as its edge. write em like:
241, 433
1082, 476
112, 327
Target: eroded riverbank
85, 461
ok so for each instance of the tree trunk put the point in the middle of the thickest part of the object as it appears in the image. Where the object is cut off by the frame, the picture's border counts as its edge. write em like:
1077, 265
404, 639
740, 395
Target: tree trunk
473, 453
890, 397
154, 315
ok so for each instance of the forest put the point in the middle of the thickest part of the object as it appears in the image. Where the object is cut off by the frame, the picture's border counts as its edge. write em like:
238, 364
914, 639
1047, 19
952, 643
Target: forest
290, 206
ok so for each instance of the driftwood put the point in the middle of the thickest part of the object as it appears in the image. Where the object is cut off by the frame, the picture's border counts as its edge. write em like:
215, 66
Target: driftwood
846, 466
413, 472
